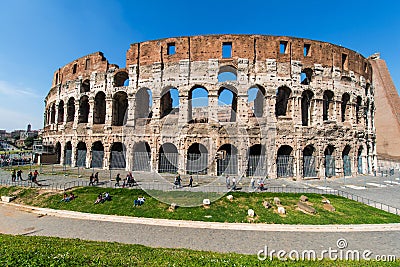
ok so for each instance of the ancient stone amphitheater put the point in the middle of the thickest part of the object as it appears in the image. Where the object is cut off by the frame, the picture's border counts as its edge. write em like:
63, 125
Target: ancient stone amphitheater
250, 105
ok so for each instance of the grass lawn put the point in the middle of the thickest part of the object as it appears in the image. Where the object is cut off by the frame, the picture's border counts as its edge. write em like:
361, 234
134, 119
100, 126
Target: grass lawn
50, 251
222, 210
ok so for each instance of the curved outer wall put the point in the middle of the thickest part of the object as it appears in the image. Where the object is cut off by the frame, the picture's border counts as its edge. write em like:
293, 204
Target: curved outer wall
269, 63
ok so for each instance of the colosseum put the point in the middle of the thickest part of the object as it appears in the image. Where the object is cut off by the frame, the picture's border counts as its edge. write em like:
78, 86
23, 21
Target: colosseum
252, 105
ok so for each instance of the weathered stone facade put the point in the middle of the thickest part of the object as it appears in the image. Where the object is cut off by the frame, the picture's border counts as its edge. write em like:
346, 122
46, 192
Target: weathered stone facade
312, 115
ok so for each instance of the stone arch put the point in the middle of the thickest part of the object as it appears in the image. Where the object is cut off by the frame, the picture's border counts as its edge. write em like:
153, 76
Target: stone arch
68, 153
282, 104
121, 78
309, 161
284, 161
81, 151
169, 103
117, 156
327, 106
119, 108
329, 161
99, 109
227, 161
359, 111
83, 109
345, 107
306, 76
58, 152
60, 118
346, 160
142, 156
198, 104
197, 159
255, 100
53, 113
85, 86
168, 158
360, 160
306, 107
256, 161
71, 109
227, 104
97, 154
227, 73
143, 104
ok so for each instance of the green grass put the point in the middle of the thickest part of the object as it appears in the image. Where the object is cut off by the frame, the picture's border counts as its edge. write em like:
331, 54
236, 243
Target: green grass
221, 210
49, 251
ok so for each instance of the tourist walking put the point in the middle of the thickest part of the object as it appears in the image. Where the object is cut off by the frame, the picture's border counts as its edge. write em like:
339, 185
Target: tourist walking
228, 182
190, 181
91, 178
13, 175
117, 179
19, 175
96, 178
252, 181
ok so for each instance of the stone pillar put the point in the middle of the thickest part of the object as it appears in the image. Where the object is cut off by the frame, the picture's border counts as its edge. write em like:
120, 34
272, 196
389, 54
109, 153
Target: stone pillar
76, 115
212, 108
65, 113
88, 160
242, 115
73, 154
131, 111
91, 112
62, 153
109, 111
183, 108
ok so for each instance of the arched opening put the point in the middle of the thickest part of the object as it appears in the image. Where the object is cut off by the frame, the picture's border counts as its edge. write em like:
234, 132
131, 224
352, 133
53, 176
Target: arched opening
142, 157
117, 156
198, 105
71, 109
346, 161
197, 159
306, 108
256, 161
119, 108
58, 152
97, 155
60, 118
305, 76
227, 161
327, 105
282, 101
359, 112
255, 100
227, 73
227, 105
85, 87
344, 106
83, 109
168, 158
360, 165
309, 162
81, 154
53, 113
330, 167
68, 154
143, 105
284, 161
99, 109
169, 104
121, 78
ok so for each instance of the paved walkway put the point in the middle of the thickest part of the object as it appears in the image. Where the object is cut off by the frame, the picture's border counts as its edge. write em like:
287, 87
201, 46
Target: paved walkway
220, 237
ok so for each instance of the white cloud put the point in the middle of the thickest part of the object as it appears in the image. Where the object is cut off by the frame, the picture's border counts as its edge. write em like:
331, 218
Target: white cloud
9, 89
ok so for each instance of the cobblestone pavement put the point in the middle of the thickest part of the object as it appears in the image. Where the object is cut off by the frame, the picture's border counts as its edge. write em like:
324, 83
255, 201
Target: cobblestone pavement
379, 240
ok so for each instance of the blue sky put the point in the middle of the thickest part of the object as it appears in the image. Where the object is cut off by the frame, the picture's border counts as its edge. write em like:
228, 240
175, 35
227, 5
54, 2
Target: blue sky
39, 36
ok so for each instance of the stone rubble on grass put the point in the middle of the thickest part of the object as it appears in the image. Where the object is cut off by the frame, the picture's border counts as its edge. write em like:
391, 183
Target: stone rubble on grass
305, 207
281, 210
173, 206
329, 207
8, 198
229, 197
326, 201
251, 213
206, 203
266, 204
303, 198
277, 201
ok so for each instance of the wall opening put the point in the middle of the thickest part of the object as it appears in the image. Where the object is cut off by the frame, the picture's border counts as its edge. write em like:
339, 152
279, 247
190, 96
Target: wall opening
359, 111
282, 101
327, 105
71, 109
68, 154
99, 110
329, 163
198, 105
197, 159
283, 47
306, 107
142, 157
284, 161
143, 108
81, 154
119, 108
168, 158
227, 161
306, 50
74, 68
306, 76
226, 50
60, 118
83, 109
256, 162
53, 113
345, 106
171, 49
255, 100
169, 104
97, 155
309, 162
121, 78
87, 64
227, 105
117, 156
227, 73
85, 86
346, 161
345, 64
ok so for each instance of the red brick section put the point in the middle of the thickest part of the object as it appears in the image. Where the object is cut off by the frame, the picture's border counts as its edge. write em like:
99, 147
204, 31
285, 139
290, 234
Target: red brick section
387, 118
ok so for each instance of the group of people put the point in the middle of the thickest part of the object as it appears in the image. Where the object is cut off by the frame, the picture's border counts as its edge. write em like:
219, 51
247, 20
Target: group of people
32, 176
67, 198
178, 181
228, 183
94, 178
101, 198
129, 180
260, 184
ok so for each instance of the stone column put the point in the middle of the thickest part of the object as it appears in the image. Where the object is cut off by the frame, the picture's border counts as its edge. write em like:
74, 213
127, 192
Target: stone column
76, 115
109, 111
91, 111
212, 108
73, 153
62, 153
65, 113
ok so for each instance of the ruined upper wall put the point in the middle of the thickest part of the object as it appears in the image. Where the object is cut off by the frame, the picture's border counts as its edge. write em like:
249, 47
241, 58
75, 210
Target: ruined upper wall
252, 47
83, 66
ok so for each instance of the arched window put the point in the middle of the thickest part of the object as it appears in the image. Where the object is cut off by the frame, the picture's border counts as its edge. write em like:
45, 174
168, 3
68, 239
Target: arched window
227, 161
327, 109
142, 157
359, 111
58, 152
97, 155
121, 78
168, 158
305, 76
306, 108
198, 103
81, 154
256, 161
346, 161
330, 167
83, 109
169, 103
197, 159
227, 73
71, 109
282, 98
60, 118
309, 164
255, 100
119, 108
284, 161
99, 110
53, 113
344, 106
227, 105
68, 154
85, 87
143, 104
117, 156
